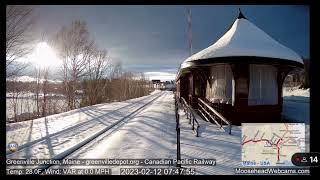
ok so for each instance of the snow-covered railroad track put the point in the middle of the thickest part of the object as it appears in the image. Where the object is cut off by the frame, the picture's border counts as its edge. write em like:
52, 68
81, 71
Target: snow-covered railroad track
41, 150
78, 146
79, 129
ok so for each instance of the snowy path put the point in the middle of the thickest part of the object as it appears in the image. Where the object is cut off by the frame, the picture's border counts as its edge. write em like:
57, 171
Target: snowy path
47, 137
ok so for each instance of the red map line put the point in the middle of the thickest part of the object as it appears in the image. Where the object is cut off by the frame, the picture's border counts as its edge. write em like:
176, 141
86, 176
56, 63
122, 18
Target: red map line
268, 141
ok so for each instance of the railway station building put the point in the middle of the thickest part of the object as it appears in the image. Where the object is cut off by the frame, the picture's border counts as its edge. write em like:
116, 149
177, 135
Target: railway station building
240, 76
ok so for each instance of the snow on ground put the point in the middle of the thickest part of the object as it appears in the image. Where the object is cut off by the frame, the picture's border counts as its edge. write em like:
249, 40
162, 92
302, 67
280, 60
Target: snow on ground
32, 79
212, 142
25, 94
150, 134
155, 91
296, 92
49, 136
296, 105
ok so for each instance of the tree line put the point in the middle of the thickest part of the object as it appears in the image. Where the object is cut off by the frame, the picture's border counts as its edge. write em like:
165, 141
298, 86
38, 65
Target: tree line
88, 74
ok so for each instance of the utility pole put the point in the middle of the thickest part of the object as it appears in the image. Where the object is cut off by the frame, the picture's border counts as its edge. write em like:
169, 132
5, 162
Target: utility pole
189, 30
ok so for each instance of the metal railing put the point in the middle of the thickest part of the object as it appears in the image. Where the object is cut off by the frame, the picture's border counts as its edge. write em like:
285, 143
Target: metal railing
176, 108
210, 113
192, 119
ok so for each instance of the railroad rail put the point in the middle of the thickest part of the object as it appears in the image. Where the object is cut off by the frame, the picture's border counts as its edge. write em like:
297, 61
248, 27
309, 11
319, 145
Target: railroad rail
78, 146
72, 128
210, 113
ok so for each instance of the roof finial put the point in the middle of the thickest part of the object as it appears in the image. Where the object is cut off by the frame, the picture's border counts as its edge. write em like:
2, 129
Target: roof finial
241, 15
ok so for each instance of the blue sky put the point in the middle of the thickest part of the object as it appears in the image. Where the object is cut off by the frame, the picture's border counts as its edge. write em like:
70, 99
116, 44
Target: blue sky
154, 38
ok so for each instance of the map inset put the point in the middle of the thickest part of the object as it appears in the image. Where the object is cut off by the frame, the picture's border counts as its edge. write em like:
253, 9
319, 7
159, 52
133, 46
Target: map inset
271, 144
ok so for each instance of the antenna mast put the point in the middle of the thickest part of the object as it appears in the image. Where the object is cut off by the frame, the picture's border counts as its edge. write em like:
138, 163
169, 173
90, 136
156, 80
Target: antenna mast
189, 30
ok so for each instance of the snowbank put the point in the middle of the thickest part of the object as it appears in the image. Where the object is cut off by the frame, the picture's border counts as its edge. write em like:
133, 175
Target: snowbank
296, 92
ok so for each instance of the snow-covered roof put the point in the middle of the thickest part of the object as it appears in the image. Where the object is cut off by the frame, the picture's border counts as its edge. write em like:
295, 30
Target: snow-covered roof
246, 39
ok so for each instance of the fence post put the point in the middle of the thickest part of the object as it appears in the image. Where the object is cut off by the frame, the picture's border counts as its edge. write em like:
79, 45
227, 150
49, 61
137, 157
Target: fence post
178, 148
192, 123
198, 130
178, 134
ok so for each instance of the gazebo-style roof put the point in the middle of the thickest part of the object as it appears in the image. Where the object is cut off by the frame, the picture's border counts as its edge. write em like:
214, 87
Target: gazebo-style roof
244, 39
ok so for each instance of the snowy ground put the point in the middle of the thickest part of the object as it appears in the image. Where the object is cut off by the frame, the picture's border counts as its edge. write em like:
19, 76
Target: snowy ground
212, 142
152, 134
32, 79
49, 136
148, 133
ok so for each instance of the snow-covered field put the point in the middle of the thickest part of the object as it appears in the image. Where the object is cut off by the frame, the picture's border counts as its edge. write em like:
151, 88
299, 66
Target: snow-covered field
296, 92
24, 95
28, 105
32, 79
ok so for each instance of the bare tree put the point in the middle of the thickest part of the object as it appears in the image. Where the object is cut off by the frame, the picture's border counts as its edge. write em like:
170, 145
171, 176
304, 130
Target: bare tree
97, 67
19, 40
45, 91
75, 48
306, 80
37, 90
16, 92
19, 106
116, 71
114, 90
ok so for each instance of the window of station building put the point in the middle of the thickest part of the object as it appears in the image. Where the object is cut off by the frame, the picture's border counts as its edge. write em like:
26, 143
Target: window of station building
220, 89
197, 88
263, 87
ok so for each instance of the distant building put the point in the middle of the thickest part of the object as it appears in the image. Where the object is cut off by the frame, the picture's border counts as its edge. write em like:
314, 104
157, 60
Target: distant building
156, 84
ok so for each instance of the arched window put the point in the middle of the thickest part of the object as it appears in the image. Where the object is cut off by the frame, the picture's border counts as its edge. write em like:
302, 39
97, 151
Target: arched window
263, 87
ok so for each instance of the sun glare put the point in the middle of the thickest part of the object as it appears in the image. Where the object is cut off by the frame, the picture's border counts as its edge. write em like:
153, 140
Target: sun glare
44, 55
